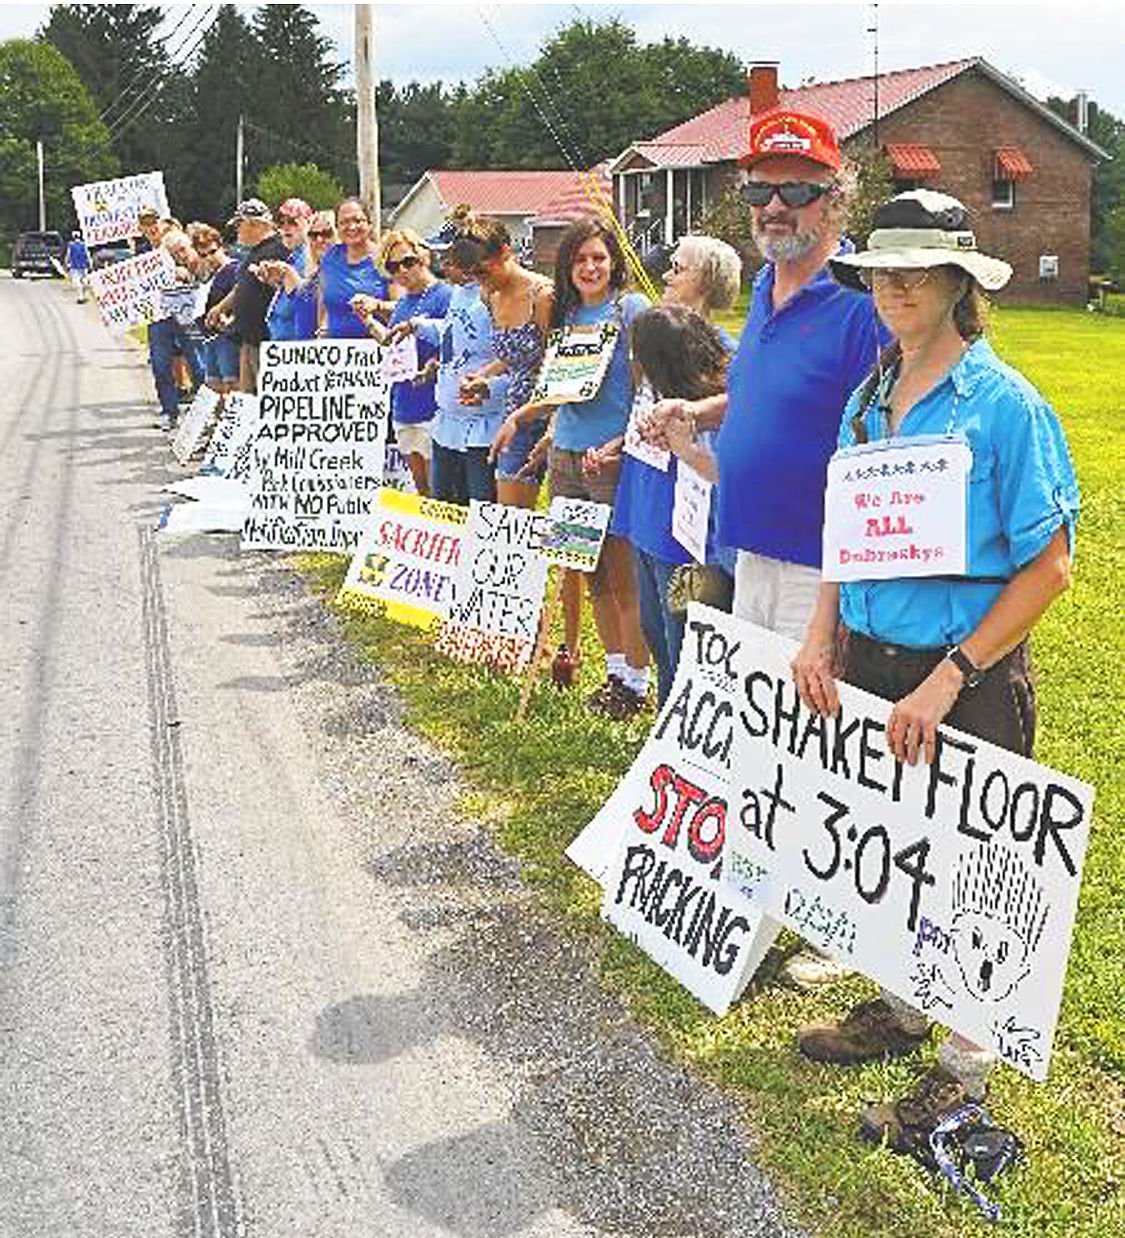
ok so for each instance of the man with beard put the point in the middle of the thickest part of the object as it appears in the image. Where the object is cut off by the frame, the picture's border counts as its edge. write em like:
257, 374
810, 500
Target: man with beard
806, 345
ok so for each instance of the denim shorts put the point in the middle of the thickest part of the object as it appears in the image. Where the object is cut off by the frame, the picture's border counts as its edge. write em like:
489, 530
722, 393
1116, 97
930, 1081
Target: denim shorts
220, 359
514, 456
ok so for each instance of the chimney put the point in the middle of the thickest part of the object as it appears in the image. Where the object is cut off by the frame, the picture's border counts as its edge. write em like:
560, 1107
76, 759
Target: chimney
763, 87
1082, 110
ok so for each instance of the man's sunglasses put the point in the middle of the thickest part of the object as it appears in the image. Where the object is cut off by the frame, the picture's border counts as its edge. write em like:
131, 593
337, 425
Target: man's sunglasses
791, 193
321, 235
401, 264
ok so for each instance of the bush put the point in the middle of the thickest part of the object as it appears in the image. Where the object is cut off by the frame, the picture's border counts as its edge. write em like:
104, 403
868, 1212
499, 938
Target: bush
318, 188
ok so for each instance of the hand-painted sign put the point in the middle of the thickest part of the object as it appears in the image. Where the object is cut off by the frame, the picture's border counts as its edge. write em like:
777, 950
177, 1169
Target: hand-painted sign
494, 618
897, 508
658, 845
194, 423
318, 456
691, 511
574, 363
407, 559
234, 432
954, 884
108, 210
576, 532
131, 292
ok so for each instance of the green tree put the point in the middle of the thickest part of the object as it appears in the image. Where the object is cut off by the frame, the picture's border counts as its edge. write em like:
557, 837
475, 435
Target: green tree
1108, 188
299, 180
591, 92
41, 96
295, 101
415, 131
126, 69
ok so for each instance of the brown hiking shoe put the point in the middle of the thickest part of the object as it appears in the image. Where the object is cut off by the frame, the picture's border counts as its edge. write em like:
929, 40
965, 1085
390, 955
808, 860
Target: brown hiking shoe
907, 1123
598, 698
869, 1032
621, 703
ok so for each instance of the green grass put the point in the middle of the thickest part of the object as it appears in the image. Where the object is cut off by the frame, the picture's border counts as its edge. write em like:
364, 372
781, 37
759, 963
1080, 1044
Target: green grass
539, 783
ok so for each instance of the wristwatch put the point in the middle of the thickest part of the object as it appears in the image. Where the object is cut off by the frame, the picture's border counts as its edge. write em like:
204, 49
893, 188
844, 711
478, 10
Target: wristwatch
971, 674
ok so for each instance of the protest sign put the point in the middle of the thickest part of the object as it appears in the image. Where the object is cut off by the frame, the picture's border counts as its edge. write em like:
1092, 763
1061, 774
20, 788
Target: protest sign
234, 431
691, 511
194, 423
575, 534
897, 508
131, 292
219, 505
396, 472
639, 448
498, 592
574, 363
108, 210
400, 359
657, 846
407, 559
954, 884
318, 454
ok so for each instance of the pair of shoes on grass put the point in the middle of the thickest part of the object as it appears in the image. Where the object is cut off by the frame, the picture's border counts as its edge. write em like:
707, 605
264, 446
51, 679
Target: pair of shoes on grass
870, 1032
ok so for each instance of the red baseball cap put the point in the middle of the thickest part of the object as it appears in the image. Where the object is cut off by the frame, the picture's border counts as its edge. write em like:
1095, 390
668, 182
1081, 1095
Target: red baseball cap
792, 133
295, 208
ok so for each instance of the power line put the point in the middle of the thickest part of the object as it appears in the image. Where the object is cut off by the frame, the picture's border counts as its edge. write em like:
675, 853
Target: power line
144, 102
142, 70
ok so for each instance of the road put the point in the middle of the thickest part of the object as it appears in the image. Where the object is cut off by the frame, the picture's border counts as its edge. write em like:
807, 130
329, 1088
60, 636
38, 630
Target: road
256, 976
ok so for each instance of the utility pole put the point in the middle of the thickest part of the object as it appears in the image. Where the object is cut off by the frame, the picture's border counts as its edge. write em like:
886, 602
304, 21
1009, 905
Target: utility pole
42, 199
239, 159
367, 123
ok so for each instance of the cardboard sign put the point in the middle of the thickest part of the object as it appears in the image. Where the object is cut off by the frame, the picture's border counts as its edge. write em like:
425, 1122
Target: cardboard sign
400, 359
396, 472
218, 505
954, 885
574, 363
131, 292
575, 535
407, 559
643, 403
897, 508
234, 431
108, 210
494, 618
194, 423
691, 511
318, 456
658, 846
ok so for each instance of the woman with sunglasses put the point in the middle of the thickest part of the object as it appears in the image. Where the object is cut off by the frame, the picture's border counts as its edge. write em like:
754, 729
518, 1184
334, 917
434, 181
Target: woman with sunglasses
220, 344
348, 271
406, 259
946, 648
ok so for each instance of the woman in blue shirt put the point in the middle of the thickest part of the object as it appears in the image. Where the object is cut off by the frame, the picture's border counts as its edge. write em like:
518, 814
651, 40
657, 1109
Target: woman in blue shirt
590, 279
945, 648
348, 271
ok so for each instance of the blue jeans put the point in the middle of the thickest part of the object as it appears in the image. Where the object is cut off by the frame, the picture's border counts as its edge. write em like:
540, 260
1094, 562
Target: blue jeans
663, 631
165, 338
458, 476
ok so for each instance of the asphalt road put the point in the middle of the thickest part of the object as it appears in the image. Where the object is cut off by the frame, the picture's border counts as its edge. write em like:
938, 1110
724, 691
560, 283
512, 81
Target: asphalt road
256, 977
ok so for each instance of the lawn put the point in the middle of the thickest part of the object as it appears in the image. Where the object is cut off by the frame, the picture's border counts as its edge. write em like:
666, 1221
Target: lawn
538, 784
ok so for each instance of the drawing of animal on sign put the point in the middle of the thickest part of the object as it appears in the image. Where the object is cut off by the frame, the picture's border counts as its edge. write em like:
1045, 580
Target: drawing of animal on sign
498, 593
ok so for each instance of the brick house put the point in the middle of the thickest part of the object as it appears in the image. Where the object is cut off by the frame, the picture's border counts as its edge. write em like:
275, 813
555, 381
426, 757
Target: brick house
962, 127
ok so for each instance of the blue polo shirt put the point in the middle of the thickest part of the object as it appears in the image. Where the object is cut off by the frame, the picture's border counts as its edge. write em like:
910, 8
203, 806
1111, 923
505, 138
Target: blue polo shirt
281, 320
788, 384
1022, 490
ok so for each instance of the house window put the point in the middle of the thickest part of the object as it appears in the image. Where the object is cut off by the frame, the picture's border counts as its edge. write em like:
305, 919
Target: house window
1003, 195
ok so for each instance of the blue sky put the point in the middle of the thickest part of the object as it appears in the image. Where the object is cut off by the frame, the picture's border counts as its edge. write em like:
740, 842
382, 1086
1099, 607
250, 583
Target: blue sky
1061, 48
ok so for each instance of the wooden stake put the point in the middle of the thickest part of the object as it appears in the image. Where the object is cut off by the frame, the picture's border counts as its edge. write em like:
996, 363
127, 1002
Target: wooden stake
541, 642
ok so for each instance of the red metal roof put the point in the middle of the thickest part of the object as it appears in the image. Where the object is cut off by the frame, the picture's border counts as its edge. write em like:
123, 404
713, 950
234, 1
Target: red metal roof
502, 193
914, 161
580, 199
846, 105
1012, 163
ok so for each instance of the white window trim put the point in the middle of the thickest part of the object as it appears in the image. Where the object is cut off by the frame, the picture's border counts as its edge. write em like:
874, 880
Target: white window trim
1011, 202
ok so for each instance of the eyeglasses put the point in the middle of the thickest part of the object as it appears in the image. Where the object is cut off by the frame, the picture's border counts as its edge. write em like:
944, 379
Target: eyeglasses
791, 193
287, 221
902, 280
206, 253
325, 235
401, 264
678, 268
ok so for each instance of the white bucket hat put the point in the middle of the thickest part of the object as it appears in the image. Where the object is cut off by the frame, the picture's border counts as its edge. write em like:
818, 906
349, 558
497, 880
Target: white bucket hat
917, 230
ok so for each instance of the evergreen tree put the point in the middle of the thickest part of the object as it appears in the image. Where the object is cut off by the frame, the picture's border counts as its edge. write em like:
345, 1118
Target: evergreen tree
119, 59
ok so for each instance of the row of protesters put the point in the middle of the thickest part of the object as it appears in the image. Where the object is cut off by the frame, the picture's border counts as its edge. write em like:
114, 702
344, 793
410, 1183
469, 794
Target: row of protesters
817, 369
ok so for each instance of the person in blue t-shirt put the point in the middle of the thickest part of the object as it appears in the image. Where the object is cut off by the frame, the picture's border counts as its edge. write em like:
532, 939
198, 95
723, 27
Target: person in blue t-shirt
293, 217
78, 265
945, 647
348, 271
405, 258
